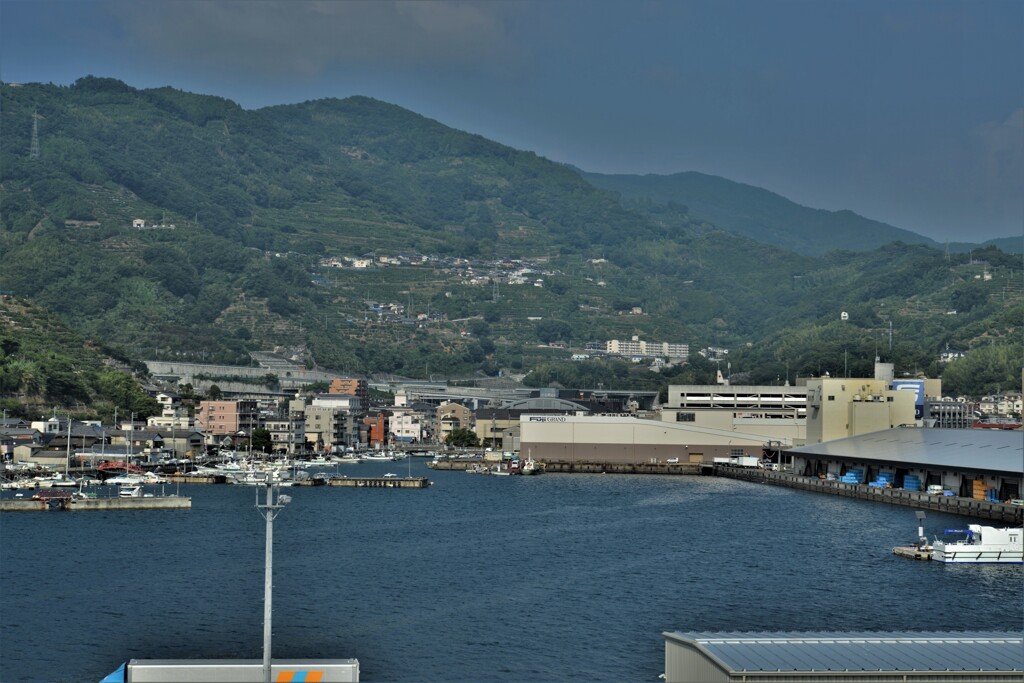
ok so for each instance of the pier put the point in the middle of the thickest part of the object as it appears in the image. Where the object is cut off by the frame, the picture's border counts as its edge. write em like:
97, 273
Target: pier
111, 503
187, 479
380, 482
155, 503
955, 505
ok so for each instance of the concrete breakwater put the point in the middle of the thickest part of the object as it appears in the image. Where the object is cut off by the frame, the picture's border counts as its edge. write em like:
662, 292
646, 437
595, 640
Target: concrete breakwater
969, 507
565, 467
77, 504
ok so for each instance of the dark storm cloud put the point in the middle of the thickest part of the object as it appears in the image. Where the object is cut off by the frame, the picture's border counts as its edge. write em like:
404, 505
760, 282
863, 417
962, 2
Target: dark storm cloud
908, 112
303, 39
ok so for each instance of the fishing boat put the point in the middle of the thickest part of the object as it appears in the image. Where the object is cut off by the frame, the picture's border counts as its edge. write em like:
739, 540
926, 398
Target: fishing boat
983, 544
379, 457
531, 466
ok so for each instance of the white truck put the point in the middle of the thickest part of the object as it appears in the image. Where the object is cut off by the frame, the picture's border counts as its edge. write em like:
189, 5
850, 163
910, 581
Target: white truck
739, 461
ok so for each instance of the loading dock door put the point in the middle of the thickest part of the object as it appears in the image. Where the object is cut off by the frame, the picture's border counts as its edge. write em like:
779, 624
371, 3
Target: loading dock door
967, 487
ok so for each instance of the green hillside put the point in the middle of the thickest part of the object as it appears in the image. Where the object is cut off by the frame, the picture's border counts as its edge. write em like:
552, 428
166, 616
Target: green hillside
759, 214
43, 365
473, 257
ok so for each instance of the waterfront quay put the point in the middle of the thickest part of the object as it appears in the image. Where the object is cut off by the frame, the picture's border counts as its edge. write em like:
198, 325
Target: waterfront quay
380, 482
563, 467
82, 504
956, 505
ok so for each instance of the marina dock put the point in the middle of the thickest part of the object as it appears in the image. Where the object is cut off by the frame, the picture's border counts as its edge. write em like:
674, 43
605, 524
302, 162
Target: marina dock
912, 552
380, 482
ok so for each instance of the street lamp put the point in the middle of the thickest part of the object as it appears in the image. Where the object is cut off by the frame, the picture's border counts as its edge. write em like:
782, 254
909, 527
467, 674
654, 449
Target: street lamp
269, 511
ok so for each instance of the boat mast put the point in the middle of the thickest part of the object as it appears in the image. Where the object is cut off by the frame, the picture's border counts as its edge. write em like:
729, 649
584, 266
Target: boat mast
269, 510
67, 458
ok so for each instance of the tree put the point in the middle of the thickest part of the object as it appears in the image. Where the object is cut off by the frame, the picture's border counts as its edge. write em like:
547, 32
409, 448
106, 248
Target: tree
261, 440
214, 393
553, 330
462, 438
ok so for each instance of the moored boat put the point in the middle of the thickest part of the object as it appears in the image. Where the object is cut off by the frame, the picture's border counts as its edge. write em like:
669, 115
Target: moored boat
531, 467
983, 544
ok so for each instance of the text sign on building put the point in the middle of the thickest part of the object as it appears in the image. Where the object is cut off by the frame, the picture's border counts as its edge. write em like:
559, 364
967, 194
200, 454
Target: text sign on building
535, 418
917, 386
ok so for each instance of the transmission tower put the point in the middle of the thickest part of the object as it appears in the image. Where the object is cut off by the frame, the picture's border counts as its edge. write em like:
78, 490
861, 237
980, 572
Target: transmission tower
33, 150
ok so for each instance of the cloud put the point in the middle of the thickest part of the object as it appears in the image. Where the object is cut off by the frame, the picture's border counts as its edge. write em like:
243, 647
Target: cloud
999, 165
303, 39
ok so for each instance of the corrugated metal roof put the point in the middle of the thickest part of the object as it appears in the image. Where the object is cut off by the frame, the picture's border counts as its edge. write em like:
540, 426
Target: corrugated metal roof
987, 450
860, 651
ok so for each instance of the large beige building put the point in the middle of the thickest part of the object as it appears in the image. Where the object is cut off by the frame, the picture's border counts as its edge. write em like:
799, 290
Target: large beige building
838, 408
702, 422
778, 413
626, 439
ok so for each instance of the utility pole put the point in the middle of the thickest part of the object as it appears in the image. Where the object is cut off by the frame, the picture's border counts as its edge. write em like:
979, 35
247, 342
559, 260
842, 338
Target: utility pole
33, 150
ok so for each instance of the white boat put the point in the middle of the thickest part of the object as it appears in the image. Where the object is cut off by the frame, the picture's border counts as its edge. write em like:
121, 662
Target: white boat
379, 457
983, 544
64, 480
258, 477
130, 492
129, 479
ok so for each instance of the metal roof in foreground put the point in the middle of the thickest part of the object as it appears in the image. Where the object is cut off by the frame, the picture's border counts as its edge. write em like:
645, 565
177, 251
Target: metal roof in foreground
802, 652
987, 450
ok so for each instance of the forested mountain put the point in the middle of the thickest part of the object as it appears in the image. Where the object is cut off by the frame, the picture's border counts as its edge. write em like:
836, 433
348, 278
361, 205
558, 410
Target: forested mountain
244, 212
759, 214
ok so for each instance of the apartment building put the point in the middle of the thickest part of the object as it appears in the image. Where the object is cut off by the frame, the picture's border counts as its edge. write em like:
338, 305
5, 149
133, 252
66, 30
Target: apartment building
227, 418
636, 347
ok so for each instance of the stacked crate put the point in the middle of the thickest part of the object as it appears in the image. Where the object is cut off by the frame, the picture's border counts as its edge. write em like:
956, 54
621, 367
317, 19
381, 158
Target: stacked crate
884, 480
855, 476
912, 482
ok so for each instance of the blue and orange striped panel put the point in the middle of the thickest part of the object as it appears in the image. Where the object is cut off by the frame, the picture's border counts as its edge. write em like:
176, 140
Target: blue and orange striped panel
299, 677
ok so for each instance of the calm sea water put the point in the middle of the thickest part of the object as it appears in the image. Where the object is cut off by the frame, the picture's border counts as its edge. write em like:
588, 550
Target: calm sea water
549, 578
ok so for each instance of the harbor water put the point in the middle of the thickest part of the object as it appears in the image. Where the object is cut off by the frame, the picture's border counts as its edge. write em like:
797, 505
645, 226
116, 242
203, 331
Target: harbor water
477, 578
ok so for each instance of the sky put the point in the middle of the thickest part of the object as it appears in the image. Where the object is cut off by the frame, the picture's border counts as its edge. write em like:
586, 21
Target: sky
908, 112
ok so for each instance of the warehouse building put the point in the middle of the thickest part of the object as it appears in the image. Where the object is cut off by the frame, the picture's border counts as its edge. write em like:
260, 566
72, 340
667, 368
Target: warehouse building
864, 656
777, 412
630, 440
967, 462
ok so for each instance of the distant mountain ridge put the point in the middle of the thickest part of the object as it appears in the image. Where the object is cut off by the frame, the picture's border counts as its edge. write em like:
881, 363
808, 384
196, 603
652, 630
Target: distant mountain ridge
181, 226
758, 213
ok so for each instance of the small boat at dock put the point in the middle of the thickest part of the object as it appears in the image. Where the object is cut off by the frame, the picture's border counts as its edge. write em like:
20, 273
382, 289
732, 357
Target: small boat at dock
982, 545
